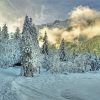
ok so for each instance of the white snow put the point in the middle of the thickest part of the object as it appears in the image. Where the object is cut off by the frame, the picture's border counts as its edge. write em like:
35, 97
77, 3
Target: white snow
9, 52
76, 86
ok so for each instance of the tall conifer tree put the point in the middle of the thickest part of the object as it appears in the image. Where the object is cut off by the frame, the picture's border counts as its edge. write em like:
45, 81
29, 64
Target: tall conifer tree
62, 54
5, 34
45, 45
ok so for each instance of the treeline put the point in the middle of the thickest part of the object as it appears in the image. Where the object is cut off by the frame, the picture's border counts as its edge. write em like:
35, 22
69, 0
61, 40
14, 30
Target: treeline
66, 58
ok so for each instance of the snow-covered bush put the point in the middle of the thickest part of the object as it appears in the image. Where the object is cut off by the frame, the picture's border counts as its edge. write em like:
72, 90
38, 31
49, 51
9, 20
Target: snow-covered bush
9, 52
94, 62
57, 66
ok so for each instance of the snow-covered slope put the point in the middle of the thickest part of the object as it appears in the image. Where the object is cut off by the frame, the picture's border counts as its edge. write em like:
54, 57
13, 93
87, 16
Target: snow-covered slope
7, 76
46, 86
55, 24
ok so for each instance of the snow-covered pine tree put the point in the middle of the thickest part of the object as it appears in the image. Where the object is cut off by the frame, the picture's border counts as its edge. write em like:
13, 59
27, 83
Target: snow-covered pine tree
0, 29
93, 62
62, 54
45, 45
33, 31
17, 33
5, 34
37, 62
26, 24
45, 51
0, 34
46, 63
26, 49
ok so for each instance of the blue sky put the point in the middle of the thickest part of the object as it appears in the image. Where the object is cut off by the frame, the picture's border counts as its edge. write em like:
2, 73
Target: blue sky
42, 11
62, 7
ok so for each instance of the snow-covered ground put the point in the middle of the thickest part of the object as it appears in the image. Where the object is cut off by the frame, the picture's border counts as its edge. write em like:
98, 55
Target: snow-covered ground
85, 86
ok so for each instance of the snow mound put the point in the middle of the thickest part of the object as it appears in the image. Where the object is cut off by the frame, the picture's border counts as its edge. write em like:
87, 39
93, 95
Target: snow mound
6, 93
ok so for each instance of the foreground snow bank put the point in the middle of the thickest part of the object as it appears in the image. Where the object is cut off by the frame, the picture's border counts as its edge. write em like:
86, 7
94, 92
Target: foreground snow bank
84, 86
7, 76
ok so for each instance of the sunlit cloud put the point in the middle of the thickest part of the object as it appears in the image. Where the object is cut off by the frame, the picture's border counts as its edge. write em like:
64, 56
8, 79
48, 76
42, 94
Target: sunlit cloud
42, 11
83, 20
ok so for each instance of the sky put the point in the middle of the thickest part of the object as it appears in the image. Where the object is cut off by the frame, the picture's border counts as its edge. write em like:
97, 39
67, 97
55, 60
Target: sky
12, 12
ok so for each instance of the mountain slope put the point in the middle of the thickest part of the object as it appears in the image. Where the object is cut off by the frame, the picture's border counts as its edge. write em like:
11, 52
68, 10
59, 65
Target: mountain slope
91, 45
55, 24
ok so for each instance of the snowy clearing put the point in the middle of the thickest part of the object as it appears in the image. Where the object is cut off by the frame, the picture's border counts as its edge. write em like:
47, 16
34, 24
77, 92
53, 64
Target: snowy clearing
84, 86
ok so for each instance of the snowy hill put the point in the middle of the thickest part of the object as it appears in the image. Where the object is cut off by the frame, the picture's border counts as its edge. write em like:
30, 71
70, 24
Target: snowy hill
46, 86
92, 45
55, 24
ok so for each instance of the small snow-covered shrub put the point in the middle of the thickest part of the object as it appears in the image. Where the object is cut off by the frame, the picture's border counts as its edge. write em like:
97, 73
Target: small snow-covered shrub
56, 68
9, 52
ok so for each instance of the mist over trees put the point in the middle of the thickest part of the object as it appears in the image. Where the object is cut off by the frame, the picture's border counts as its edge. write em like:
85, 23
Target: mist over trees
23, 49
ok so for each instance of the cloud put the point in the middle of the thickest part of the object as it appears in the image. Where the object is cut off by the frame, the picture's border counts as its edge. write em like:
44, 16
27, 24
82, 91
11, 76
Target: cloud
86, 20
42, 11
13, 12
53, 34
83, 21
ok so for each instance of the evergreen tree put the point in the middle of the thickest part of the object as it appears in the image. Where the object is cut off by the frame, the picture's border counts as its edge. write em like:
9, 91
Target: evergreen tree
45, 45
26, 26
5, 32
62, 51
0, 34
33, 31
46, 63
0, 29
17, 33
26, 49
